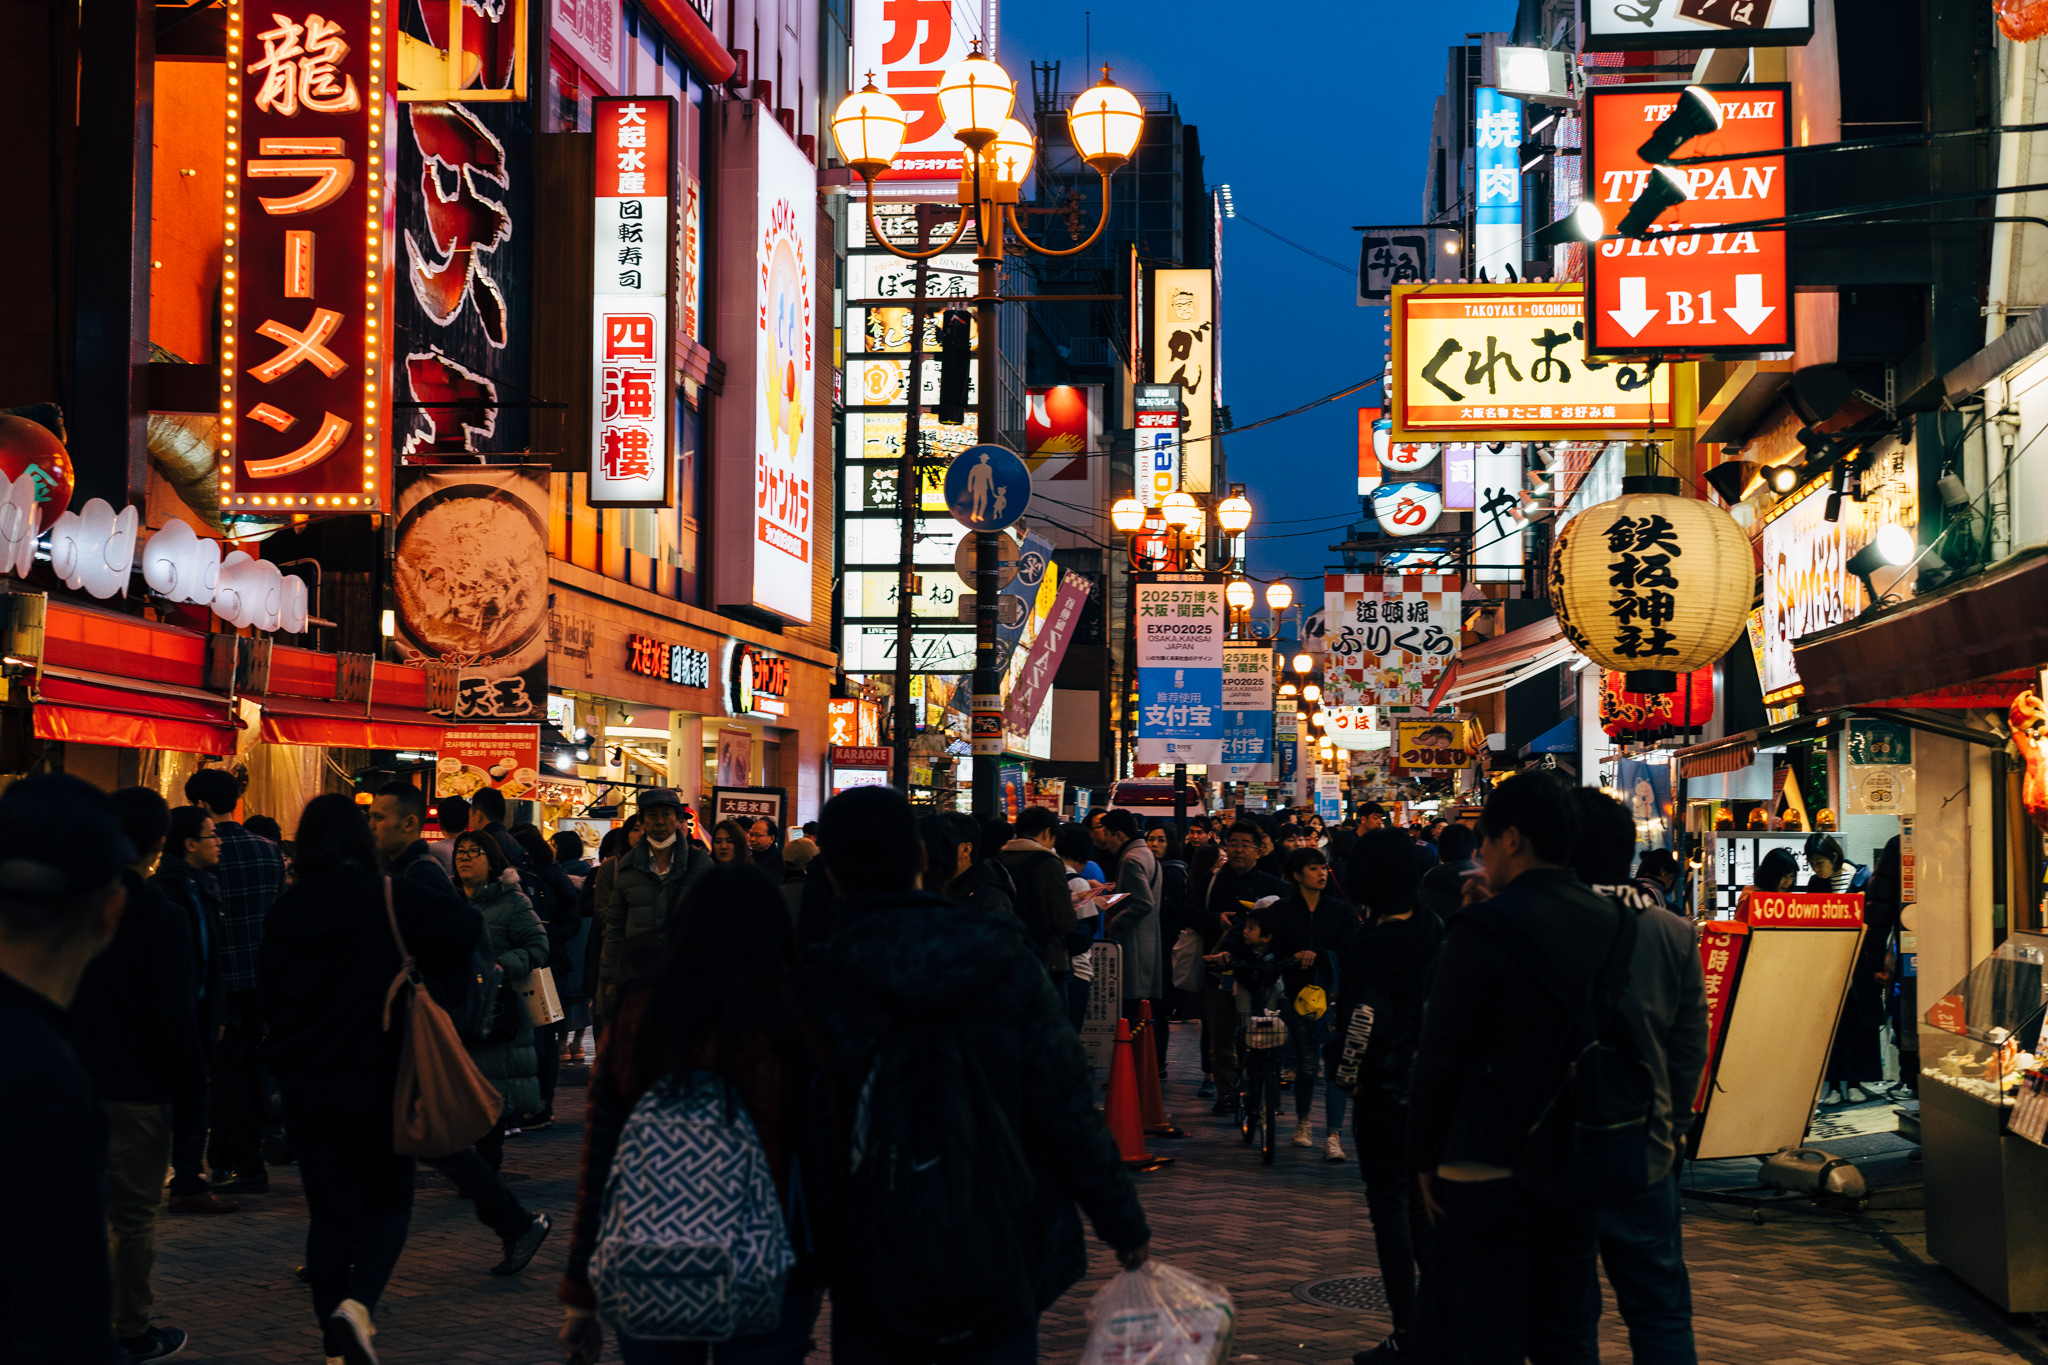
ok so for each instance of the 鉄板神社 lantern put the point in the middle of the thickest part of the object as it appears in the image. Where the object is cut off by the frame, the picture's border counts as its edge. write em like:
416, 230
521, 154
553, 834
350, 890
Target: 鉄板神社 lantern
1652, 585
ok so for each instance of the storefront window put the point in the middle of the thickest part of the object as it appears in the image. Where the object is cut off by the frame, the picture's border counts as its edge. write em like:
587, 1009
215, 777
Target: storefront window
570, 112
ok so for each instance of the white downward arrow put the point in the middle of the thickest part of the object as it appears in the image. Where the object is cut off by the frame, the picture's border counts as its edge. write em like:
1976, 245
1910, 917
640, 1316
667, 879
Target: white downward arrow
1750, 310
1634, 314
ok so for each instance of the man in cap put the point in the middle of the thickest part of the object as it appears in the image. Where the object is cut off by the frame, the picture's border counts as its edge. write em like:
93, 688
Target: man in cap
645, 892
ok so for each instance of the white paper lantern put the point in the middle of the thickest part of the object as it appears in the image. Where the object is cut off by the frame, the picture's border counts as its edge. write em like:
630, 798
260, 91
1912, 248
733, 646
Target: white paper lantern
94, 549
18, 517
292, 611
1652, 583
181, 564
250, 593
1407, 509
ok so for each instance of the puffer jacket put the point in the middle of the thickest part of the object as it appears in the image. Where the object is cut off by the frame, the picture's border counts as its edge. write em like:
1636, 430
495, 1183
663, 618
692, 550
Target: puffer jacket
957, 968
640, 908
520, 945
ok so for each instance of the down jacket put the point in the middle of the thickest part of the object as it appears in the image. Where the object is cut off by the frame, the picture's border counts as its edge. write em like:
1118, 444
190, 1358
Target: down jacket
520, 945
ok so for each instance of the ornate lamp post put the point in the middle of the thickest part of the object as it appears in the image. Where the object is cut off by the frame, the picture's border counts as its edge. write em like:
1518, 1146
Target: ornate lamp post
976, 97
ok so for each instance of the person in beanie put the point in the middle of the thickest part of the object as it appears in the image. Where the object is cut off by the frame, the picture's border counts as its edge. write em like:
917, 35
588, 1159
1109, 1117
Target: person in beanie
62, 897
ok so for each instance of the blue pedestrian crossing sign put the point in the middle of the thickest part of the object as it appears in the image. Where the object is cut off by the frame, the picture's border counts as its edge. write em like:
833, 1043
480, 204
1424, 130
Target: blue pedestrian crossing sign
987, 487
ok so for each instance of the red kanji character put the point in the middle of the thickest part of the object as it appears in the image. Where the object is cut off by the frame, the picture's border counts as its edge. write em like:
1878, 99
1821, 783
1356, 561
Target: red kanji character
629, 336
628, 392
627, 453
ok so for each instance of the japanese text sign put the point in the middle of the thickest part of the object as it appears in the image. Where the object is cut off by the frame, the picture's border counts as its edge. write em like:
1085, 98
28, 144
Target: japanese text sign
1438, 743
1623, 712
785, 367
1389, 637
1247, 712
305, 259
1506, 363
1042, 661
1410, 255
1497, 163
1720, 960
1157, 414
1623, 25
1180, 671
1709, 292
1497, 522
629, 396
1183, 354
908, 45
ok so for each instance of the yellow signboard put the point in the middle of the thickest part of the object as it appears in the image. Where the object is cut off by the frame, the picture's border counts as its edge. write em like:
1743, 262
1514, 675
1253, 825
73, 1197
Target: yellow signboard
1507, 362
1445, 744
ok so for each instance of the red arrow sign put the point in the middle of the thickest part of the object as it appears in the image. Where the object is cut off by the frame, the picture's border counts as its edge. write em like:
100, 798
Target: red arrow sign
1714, 292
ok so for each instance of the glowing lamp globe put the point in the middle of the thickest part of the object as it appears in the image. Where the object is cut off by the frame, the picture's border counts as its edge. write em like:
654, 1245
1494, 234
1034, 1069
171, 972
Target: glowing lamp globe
1127, 515
1180, 510
1238, 594
1013, 151
1279, 596
1106, 122
1652, 585
1233, 514
868, 128
976, 96
31, 448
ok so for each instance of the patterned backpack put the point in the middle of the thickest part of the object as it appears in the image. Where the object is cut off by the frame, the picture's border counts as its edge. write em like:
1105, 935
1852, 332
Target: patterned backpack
692, 1246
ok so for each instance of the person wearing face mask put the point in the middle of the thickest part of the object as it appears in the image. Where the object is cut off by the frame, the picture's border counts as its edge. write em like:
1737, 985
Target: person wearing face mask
640, 908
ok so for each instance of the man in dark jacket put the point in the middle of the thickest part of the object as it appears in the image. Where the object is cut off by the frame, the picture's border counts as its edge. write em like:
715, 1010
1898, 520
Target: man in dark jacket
922, 957
1517, 1264
1665, 1009
397, 814
61, 903
487, 816
251, 877
138, 1034
645, 893
764, 845
1443, 886
185, 879
1042, 899
1213, 908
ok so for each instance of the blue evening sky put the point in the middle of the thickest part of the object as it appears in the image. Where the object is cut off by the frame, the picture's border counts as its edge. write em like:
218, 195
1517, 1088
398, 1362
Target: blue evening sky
1316, 113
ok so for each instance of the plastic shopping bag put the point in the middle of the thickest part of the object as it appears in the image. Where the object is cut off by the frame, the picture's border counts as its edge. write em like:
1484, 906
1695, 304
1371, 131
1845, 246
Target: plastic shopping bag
1157, 1315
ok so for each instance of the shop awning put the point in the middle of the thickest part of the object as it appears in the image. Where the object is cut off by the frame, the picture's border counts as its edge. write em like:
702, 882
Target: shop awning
1561, 738
1717, 756
1498, 664
91, 708
1994, 623
1739, 751
342, 725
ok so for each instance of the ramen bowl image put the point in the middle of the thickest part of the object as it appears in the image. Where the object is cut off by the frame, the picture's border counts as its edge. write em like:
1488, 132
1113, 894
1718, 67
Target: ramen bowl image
470, 573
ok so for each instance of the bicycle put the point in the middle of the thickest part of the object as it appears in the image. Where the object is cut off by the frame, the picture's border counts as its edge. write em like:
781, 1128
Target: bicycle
1261, 1038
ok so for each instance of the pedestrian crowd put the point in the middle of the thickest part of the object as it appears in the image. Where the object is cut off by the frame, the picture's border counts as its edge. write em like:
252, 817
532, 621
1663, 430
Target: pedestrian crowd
840, 1059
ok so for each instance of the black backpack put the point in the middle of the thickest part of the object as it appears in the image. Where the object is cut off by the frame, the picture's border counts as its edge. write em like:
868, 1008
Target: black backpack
933, 1232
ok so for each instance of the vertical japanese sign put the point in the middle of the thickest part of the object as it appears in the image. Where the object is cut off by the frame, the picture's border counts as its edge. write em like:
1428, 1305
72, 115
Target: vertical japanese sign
1497, 162
629, 395
1497, 522
1157, 408
1180, 671
785, 374
1370, 421
1247, 712
1184, 353
1721, 959
1711, 291
908, 45
1390, 637
589, 30
305, 259
1285, 741
1042, 660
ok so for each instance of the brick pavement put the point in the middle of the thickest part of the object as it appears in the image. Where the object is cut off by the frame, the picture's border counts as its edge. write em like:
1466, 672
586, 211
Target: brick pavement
1802, 1289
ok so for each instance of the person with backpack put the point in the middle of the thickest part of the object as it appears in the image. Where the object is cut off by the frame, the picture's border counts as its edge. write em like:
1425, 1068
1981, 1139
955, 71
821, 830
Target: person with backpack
1043, 900
1665, 1008
955, 1183
1076, 851
1386, 970
705, 1086
1134, 922
1504, 1021
324, 975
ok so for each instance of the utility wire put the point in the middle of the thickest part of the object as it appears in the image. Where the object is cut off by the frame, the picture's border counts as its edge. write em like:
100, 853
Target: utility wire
1334, 265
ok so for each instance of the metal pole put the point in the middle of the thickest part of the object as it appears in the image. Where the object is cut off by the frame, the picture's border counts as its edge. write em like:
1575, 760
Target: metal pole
988, 680
909, 499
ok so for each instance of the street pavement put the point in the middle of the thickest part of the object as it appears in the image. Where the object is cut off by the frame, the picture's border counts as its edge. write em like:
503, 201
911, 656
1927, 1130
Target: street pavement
1802, 1287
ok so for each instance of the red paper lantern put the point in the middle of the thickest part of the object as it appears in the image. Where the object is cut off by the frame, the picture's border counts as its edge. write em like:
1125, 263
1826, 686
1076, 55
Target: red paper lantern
2022, 20
1625, 713
31, 447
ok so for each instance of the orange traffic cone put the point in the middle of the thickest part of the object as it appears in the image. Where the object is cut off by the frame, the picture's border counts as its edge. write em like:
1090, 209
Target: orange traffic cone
1151, 1106
1124, 1123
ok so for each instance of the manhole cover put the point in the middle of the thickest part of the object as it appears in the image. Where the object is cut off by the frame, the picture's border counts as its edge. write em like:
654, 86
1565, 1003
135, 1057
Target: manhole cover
1351, 1293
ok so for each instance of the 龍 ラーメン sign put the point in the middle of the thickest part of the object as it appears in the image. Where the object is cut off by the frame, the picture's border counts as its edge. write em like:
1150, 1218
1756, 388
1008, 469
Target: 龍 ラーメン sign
1507, 363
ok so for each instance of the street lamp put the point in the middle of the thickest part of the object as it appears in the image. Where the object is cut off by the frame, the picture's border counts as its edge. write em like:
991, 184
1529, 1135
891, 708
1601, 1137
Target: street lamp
977, 97
1239, 595
1127, 515
1311, 692
1279, 596
1302, 663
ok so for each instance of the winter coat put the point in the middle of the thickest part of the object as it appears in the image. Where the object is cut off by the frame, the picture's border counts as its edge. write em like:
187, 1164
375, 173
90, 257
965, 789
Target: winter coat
1134, 924
520, 945
956, 968
1387, 964
1495, 1035
195, 892
1443, 888
136, 1013
328, 961
1325, 931
985, 885
1665, 1010
640, 908
1042, 900
418, 864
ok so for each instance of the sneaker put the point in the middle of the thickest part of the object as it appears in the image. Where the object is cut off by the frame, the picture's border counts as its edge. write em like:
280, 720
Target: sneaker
353, 1329
1225, 1105
204, 1202
248, 1182
1391, 1349
158, 1343
534, 1123
1831, 1095
1208, 1089
520, 1249
1857, 1095
1304, 1133
1333, 1150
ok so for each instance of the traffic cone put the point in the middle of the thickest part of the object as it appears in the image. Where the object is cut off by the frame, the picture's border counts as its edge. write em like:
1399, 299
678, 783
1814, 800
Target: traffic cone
1151, 1106
1124, 1123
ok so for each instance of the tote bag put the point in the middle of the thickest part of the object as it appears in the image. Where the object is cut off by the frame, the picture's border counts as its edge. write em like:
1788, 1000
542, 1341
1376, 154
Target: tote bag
442, 1103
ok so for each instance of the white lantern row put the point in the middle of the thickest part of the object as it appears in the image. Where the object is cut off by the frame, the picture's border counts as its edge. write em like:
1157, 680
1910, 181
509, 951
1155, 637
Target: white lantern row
94, 549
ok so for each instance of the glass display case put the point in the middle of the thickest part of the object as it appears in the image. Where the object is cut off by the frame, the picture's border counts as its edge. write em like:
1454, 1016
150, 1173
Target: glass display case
1984, 1035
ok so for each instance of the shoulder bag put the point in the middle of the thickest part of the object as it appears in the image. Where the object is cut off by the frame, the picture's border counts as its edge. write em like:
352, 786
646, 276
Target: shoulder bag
442, 1103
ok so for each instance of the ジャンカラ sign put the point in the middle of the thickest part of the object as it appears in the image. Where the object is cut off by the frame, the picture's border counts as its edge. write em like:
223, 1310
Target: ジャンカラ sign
1482, 362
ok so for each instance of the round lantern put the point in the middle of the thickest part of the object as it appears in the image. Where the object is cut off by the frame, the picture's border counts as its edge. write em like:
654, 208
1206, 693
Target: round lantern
31, 448
1652, 585
2022, 20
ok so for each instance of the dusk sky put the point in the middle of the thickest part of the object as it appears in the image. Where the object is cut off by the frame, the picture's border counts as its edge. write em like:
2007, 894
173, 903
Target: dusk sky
1333, 131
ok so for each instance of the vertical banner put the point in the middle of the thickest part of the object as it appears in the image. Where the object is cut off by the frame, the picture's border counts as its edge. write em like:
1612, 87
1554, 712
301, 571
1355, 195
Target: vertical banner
908, 47
1042, 660
1497, 520
1369, 442
629, 394
306, 257
1390, 638
1184, 354
1180, 671
1247, 712
469, 582
1721, 958
1285, 744
1158, 456
1497, 153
